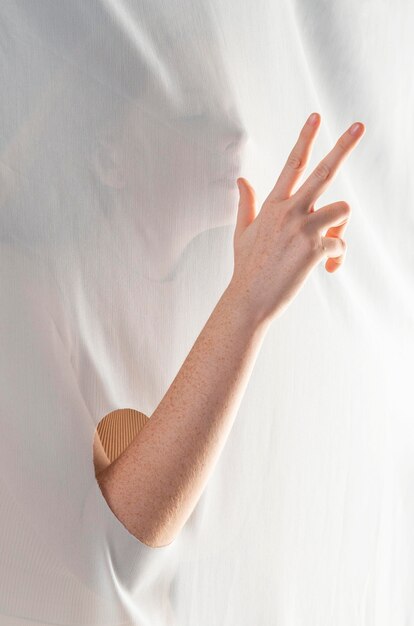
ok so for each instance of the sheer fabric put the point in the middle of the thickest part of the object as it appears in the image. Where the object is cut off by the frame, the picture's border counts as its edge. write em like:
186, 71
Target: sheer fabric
124, 126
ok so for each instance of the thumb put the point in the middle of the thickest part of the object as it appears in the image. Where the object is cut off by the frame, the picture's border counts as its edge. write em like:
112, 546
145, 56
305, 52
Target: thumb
247, 206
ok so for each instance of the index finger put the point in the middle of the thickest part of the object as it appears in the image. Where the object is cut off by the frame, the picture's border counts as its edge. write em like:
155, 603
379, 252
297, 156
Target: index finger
324, 173
297, 160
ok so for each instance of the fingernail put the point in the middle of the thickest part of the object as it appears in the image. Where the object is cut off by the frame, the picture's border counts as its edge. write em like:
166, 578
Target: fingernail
312, 119
354, 128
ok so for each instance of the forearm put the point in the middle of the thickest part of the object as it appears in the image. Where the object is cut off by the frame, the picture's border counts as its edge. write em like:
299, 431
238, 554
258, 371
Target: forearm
154, 485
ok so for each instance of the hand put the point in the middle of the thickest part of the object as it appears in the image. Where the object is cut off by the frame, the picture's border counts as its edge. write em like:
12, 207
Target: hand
275, 251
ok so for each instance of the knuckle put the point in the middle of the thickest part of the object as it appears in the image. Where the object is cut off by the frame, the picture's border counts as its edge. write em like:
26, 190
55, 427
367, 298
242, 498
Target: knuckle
315, 252
286, 220
269, 205
342, 245
341, 143
294, 161
308, 224
322, 171
313, 245
318, 248
288, 213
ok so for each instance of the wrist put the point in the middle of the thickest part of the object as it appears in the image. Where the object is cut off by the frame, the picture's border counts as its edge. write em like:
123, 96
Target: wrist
240, 304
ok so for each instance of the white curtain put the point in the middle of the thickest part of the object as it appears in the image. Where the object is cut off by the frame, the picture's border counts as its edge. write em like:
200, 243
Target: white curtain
124, 126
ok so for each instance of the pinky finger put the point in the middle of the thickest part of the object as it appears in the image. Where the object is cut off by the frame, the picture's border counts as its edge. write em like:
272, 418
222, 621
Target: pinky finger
335, 249
332, 264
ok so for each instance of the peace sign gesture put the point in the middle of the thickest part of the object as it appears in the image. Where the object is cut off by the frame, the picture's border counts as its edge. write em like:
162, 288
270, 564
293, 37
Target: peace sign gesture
275, 250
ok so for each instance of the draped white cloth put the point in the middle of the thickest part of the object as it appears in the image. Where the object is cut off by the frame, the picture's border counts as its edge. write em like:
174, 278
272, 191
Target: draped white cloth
124, 125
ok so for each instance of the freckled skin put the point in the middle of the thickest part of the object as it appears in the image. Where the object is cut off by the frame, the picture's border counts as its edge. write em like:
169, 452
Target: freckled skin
154, 485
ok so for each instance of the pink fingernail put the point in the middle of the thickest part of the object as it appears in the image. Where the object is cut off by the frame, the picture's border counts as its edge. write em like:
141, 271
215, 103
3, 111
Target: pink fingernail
313, 119
354, 128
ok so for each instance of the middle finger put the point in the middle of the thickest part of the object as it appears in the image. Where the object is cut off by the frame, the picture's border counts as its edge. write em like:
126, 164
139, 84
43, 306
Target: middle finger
324, 173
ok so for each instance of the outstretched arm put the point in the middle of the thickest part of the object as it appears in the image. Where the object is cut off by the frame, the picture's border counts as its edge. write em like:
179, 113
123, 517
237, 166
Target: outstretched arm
154, 485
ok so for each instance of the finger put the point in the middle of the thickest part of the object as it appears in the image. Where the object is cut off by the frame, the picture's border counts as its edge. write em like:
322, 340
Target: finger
333, 263
247, 207
323, 174
333, 247
296, 162
337, 231
333, 214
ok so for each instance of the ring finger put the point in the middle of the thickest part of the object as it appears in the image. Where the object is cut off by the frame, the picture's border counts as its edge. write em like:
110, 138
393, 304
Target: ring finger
335, 232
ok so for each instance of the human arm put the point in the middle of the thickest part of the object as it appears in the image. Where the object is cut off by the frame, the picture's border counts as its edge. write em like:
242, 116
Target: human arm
154, 485
170, 460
